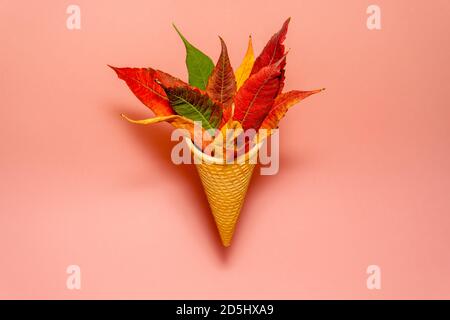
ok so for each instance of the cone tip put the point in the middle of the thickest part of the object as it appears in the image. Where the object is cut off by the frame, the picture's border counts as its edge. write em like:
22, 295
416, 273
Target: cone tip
226, 244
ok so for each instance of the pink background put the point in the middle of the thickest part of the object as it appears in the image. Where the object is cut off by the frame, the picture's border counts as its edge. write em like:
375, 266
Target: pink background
365, 166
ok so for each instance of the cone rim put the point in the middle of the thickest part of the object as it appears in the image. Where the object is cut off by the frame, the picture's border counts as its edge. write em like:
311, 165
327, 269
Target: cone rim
213, 160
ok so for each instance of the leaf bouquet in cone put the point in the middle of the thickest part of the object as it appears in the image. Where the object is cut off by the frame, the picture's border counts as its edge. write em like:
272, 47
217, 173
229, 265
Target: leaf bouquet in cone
215, 101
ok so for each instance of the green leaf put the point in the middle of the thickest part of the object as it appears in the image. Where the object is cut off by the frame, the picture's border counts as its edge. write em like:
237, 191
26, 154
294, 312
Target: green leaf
199, 65
192, 104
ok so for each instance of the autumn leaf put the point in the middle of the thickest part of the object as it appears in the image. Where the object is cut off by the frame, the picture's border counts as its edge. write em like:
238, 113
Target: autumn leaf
199, 65
222, 83
173, 119
177, 121
192, 104
142, 83
256, 97
243, 72
169, 80
282, 104
272, 52
215, 96
224, 140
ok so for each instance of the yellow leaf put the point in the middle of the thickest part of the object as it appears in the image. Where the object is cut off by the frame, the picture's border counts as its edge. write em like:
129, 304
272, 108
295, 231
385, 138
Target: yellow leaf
224, 140
151, 120
243, 72
175, 120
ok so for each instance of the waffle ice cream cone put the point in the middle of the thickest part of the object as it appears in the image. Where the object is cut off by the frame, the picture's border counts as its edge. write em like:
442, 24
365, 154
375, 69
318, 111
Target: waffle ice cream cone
225, 186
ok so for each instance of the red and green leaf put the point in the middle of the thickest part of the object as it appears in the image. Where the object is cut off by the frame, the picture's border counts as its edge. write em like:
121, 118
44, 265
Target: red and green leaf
272, 52
282, 104
192, 104
222, 82
256, 97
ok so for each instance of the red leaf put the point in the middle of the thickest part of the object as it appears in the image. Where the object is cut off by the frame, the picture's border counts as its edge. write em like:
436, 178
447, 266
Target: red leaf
169, 81
256, 97
222, 82
272, 52
142, 83
281, 105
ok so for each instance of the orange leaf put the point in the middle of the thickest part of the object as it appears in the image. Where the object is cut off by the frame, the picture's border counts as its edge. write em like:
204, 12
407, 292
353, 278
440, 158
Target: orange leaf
282, 103
142, 83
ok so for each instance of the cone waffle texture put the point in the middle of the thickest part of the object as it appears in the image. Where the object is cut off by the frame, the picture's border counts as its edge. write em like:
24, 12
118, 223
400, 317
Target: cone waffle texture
225, 186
